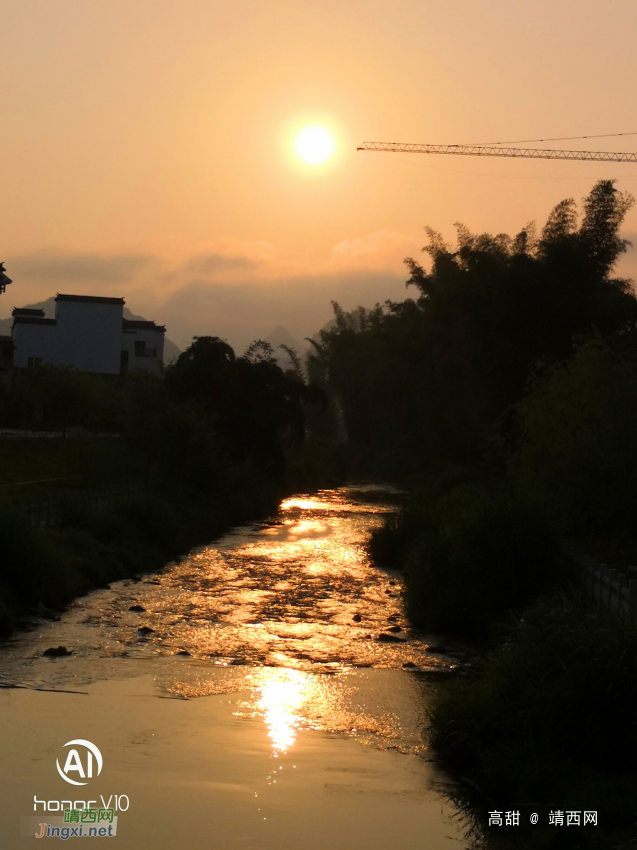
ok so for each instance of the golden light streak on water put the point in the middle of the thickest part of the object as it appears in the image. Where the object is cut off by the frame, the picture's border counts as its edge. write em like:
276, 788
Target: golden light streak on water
290, 611
302, 504
281, 694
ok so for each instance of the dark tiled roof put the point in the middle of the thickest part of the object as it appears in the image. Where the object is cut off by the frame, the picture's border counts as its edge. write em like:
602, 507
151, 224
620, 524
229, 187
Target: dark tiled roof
27, 311
32, 320
136, 325
93, 299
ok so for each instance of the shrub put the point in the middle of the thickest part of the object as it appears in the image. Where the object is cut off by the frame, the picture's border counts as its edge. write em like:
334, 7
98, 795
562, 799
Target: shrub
33, 570
469, 556
551, 717
577, 453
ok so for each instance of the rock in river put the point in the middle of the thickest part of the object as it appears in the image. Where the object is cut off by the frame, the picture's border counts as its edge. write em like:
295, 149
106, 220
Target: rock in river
57, 651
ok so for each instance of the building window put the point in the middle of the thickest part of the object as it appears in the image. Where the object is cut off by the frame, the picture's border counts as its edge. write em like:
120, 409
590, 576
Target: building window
140, 349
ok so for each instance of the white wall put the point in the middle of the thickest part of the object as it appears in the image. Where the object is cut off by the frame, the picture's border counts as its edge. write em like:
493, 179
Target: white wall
154, 340
89, 336
32, 340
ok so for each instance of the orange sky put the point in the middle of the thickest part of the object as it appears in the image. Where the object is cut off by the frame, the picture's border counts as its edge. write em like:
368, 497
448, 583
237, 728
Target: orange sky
147, 144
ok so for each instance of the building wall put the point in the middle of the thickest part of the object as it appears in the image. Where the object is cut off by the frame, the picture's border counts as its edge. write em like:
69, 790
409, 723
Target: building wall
153, 341
34, 340
89, 336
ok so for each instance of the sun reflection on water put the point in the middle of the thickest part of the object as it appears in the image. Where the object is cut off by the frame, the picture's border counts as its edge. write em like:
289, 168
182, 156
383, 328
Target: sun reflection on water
282, 694
304, 504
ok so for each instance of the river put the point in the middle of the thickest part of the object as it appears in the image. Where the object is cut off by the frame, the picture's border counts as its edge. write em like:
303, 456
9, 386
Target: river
264, 692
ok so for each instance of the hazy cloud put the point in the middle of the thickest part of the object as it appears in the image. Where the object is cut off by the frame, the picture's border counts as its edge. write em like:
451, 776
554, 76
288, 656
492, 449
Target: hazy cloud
236, 290
212, 264
55, 266
384, 249
251, 309
228, 255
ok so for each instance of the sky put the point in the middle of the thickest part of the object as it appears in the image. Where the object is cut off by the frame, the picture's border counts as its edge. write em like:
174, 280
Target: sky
148, 145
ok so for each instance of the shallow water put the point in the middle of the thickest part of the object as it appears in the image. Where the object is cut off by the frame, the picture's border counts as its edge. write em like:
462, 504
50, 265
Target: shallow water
279, 626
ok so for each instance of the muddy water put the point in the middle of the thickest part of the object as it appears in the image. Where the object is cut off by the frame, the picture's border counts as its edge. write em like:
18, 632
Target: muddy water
293, 693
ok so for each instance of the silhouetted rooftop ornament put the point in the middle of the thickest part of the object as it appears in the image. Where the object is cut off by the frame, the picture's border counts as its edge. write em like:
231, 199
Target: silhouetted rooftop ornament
91, 299
4, 280
28, 311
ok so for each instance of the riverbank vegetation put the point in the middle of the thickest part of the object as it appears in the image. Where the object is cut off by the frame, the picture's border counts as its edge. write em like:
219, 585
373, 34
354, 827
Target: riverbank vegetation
503, 395
214, 441
548, 724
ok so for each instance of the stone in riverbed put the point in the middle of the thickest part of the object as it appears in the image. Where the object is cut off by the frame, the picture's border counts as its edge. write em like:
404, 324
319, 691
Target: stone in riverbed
145, 630
383, 637
57, 651
394, 629
137, 608
357, 618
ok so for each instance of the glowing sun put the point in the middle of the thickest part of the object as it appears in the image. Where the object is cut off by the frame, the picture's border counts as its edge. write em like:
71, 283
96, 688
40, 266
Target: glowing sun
314, 145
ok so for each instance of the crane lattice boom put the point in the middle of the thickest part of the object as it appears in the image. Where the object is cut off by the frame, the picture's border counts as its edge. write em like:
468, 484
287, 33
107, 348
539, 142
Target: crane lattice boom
483, 150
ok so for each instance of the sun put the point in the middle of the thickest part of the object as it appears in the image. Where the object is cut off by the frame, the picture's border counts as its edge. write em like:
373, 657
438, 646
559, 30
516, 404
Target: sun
314, 145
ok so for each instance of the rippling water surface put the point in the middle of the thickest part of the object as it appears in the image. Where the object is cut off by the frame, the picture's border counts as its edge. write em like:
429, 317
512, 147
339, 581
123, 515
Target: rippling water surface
287, 617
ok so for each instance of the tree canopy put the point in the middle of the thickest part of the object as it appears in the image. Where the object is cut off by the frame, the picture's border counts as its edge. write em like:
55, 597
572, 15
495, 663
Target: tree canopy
427, 377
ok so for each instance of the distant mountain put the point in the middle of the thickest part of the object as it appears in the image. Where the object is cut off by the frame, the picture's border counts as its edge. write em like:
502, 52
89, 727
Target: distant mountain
281, 336
328, 326
171, 351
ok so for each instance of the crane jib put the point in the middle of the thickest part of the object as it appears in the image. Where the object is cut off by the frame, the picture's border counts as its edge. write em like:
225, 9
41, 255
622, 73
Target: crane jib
482, 150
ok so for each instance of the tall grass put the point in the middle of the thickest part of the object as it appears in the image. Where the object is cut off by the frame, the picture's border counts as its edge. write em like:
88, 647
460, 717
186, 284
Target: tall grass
550, 720
33, 570
469, 557
49, 567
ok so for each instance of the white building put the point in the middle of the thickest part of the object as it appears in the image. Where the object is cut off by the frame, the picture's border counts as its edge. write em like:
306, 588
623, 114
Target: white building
142, 345
88, 332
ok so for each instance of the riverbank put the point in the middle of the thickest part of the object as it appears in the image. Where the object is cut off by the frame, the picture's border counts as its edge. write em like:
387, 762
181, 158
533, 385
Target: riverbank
547, 725
469, 554
43, 569
261, 690
546, 722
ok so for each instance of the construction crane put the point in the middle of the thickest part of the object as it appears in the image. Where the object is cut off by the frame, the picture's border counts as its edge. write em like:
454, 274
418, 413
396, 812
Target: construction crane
494, 150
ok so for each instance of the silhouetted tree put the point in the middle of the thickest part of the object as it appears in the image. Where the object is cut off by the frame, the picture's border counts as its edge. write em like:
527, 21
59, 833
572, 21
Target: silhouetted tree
427, 378
254, 406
